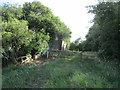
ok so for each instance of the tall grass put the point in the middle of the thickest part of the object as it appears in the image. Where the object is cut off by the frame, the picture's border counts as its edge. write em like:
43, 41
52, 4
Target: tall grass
67, 72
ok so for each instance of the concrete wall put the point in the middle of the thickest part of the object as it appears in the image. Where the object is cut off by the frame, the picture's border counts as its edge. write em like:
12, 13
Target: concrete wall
57, 44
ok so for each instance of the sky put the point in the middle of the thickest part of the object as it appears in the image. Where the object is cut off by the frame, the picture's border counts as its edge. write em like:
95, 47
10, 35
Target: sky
72, 12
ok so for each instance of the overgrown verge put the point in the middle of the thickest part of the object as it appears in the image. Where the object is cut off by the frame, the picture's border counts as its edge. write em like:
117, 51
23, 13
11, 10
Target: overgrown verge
67, 72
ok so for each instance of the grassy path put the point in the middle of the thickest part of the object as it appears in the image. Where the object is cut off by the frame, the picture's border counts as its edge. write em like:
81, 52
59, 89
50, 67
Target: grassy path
67, 72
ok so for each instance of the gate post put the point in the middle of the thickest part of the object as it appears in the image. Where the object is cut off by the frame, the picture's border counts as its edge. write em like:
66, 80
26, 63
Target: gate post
47, 52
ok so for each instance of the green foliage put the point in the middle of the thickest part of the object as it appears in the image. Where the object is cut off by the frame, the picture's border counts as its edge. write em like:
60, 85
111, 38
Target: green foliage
41, 17
69, 72
92, 39
104, 35
29, 30
11, 11
77, 45
15, 36
39, 44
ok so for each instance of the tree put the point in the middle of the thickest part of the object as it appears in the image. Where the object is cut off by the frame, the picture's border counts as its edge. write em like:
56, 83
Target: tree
15, 35
29, 30
10, 11
77, 45
41, 18
104, 34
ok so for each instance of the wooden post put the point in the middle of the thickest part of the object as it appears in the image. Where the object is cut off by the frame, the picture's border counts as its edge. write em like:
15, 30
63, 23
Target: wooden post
48, 52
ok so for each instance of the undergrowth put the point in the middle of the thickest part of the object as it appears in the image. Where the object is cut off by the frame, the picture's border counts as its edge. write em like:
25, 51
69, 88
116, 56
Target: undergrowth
67, 72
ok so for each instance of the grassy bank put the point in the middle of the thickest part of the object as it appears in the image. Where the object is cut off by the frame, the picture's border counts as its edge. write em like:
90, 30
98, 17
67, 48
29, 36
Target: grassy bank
67, 72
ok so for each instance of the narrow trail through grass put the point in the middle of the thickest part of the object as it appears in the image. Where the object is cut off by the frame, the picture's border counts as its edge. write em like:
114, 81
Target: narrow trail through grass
63, 72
